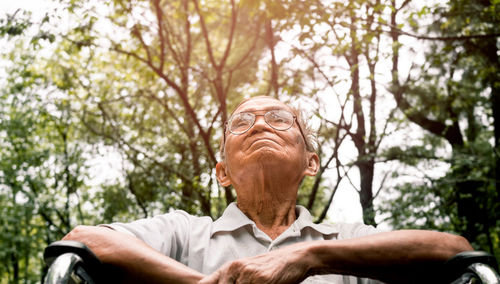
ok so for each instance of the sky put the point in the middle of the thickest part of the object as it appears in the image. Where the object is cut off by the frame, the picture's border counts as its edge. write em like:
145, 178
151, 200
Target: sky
36, 6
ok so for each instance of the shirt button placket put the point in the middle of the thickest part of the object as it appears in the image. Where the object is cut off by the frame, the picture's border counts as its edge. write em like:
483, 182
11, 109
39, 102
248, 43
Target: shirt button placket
273, 247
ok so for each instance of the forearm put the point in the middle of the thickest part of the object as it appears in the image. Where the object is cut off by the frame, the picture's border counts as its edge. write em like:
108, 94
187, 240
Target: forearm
132, 258
399, 256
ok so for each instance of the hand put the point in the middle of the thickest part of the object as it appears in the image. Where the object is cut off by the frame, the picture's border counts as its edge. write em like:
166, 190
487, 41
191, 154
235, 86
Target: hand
98, 239
287, 265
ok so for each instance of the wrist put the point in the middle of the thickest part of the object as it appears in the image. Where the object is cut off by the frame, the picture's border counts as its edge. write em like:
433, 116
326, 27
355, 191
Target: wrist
314, 255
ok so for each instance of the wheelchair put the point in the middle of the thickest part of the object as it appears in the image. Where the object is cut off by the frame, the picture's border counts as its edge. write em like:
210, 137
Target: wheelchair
73, 262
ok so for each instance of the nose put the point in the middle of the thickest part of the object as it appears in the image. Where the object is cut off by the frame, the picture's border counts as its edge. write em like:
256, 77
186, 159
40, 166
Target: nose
260, 124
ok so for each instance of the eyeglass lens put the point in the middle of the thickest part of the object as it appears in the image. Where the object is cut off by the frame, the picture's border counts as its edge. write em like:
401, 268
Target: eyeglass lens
277, 119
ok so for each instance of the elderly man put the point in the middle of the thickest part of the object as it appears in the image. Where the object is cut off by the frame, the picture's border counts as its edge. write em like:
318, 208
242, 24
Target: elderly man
264, 237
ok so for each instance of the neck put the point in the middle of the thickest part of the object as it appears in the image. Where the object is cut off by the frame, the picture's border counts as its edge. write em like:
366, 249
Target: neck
269, 201
272, 219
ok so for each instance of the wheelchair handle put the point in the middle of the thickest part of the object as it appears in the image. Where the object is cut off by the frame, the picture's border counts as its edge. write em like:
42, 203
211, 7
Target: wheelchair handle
465, 264
71, 262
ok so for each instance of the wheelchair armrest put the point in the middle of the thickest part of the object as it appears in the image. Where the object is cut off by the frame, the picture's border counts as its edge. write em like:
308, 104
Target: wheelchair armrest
70, 259
478, 263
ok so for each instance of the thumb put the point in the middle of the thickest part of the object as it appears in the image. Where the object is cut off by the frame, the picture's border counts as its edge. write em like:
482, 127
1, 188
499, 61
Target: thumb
211, 279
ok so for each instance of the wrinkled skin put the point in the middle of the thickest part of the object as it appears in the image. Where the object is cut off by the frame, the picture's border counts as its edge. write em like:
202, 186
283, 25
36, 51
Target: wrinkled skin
285, 265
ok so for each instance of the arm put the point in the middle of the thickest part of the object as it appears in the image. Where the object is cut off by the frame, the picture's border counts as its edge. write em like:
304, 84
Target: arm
133, 259
398, 256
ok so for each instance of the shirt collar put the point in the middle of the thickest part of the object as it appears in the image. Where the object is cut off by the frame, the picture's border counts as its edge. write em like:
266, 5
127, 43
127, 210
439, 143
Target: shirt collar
233, 219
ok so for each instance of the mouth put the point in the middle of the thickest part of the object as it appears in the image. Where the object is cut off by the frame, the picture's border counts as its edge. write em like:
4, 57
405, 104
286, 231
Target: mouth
263, 141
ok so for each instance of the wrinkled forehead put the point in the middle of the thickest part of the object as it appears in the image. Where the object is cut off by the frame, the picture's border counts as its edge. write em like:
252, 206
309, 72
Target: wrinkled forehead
261, 103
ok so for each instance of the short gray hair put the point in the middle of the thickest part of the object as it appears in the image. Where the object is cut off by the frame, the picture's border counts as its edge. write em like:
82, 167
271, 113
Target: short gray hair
309, 133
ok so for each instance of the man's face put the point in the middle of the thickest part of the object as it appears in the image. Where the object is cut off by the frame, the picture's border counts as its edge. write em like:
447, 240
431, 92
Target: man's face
263, 145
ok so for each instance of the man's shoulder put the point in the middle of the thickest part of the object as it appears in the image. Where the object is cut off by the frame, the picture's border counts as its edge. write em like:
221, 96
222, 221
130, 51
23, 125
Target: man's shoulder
179, 220
336, 230
352, 230
181, 214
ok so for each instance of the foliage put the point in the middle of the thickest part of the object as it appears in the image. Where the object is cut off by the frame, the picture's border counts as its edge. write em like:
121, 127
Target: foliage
145, 86
163, 89
454, 97
42, 172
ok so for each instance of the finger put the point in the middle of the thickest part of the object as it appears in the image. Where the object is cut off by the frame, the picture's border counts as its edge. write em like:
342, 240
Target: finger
226, 274
211, 279
230, 273
226, 277
229, 279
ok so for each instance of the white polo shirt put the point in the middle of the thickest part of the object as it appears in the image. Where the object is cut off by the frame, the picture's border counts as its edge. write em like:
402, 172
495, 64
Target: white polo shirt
205, 245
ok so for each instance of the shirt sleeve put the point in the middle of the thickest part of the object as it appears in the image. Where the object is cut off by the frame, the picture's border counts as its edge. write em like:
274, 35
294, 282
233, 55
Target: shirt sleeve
356, 230
167, 233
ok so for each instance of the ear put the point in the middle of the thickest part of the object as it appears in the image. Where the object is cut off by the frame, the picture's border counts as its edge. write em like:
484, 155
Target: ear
312, 164
220, 172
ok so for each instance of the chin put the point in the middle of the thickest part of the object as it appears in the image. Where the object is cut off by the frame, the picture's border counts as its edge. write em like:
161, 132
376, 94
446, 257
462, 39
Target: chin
266, 150
270, 155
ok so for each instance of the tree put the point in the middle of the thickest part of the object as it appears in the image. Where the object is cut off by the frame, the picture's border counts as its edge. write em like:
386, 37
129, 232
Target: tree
147, 86
350, 36
42, 174
175, 76
42, 168
454, 97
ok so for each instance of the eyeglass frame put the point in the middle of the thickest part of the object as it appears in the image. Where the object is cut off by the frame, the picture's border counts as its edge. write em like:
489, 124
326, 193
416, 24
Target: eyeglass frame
255, 119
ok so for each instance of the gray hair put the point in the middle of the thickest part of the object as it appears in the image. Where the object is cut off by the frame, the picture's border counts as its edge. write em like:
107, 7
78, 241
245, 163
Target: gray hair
309, 133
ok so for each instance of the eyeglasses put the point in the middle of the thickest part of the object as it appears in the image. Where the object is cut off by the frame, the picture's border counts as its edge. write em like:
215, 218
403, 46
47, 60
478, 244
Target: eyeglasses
278, 119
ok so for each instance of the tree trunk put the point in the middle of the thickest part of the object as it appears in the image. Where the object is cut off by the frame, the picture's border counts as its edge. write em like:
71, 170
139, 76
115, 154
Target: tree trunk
366, 170
364, 163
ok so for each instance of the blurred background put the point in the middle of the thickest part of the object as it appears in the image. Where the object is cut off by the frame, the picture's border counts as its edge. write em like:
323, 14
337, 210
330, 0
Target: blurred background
113, 111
